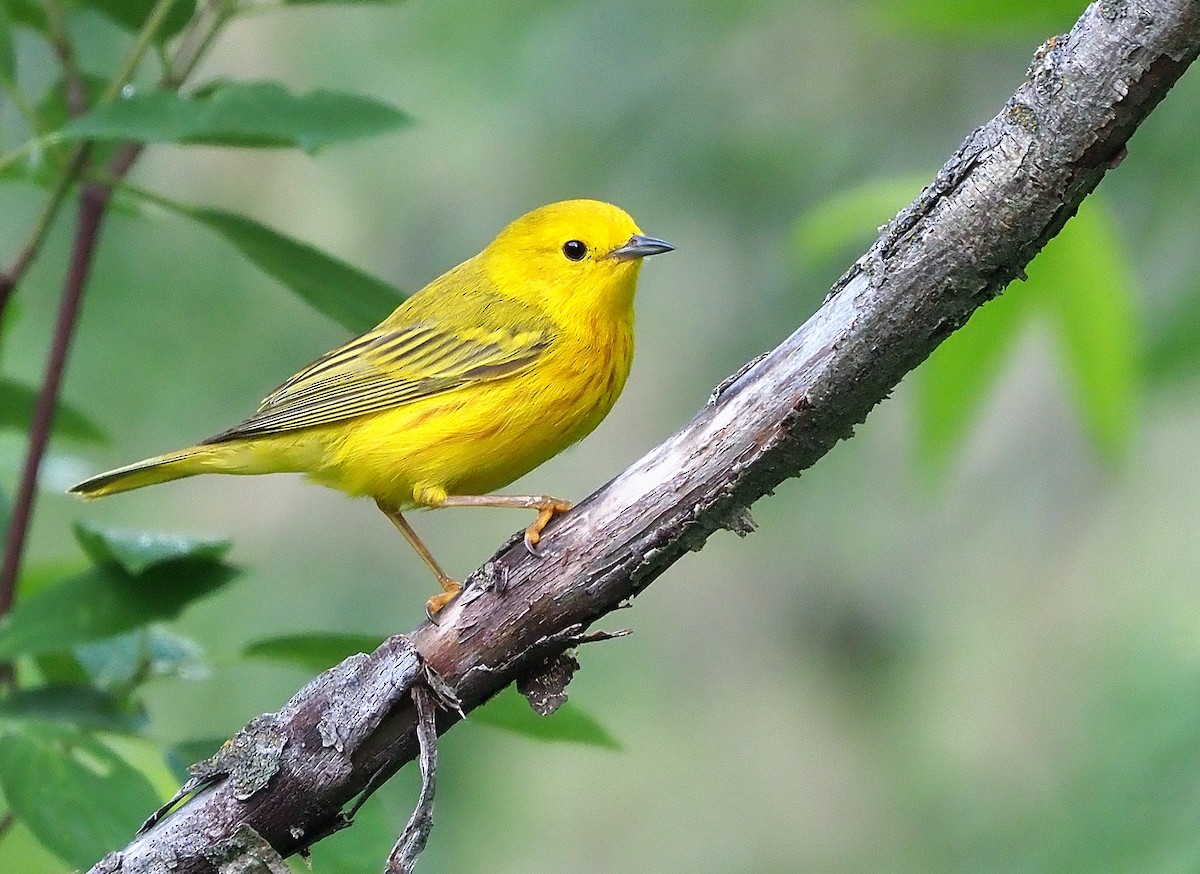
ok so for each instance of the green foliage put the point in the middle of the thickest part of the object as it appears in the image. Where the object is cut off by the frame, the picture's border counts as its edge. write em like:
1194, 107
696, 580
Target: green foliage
17, 403
242, 114
79, 706
314, 652
8, 51
109, 599
132, 14
320, 651
137, 551
340, 291
72, 791
27, 13
978, 18
511, 712
1079, 284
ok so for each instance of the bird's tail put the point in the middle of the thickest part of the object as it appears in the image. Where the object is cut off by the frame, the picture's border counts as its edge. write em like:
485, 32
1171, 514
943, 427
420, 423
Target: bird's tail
159, 469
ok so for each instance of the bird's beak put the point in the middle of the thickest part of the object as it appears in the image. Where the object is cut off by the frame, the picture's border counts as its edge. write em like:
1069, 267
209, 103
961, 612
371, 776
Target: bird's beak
640, 246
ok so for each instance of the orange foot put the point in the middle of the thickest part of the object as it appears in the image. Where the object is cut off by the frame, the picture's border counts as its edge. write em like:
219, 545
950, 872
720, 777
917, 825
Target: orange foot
546, 508
437, 602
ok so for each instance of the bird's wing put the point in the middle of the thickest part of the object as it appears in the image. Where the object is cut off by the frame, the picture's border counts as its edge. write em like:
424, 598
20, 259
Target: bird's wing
396, 364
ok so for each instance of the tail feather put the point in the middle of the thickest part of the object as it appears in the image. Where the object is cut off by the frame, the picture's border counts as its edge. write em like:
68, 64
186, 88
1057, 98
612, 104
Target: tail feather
160, 469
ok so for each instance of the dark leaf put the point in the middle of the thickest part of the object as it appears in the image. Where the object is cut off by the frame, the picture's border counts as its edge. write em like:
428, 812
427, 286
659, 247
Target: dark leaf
132, 14
80, 706
1173, 353
52, 108
257, 114
126, 661
8, 52
316, 652
979, 18
17, 403
850, 219
1083, 278
361, 848
106, 600
27, 13
953, 385
78, 797
342, 2
334, 288
61, 669
508, 710
135, 551
189, 752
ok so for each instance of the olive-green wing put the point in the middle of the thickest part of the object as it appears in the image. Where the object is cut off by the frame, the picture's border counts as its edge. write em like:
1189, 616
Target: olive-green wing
391, 366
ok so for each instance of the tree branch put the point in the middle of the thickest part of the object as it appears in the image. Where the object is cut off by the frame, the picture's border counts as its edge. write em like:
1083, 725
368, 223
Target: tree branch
1010, 187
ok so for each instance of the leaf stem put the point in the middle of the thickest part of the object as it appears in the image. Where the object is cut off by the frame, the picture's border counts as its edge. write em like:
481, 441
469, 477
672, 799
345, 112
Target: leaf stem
93, 202
10, 277
145, 39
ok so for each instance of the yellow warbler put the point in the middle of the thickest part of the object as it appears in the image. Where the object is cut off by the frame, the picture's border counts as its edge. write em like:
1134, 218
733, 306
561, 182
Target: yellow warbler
485, 373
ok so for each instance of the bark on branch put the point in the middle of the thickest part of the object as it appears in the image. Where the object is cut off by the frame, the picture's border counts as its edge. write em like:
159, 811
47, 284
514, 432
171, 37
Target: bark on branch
1009, 188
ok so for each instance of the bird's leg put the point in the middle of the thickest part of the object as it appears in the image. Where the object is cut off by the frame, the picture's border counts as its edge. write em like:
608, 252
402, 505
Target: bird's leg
450, 586
546, 506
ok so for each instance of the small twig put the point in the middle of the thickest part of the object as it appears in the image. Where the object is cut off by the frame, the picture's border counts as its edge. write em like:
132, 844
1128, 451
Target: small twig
411, 842
61, 42
25, 257
145, 39
93, 202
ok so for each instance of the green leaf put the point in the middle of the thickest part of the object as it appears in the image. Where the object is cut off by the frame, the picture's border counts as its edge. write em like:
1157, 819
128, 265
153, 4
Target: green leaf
78, 797
126, 661
245, 114
848, 220
17, 403
1173, 353
979, 18
342, 2
132, 14
358, 849
316, 652
8, 50
510, 711
952, 386
79, 706
136, 551
1089, 294
106, 600
27, 13
334, 288
1082, 284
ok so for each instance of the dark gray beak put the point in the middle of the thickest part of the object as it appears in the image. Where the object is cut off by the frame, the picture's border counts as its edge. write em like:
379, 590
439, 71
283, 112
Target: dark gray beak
640, 246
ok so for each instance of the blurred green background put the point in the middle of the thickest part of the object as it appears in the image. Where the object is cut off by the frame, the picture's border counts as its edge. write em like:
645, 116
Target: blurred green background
968, 639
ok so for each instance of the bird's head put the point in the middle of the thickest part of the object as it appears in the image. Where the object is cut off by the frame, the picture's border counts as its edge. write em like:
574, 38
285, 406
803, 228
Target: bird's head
574, 256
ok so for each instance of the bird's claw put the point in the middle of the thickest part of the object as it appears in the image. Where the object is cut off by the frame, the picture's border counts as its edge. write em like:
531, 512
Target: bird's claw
435, 604
531, 542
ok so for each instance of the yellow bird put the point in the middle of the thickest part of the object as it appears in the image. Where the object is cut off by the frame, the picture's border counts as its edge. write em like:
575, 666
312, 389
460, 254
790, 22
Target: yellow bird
491, 369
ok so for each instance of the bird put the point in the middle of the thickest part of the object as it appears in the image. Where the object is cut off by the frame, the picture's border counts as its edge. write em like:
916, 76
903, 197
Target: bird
488, 371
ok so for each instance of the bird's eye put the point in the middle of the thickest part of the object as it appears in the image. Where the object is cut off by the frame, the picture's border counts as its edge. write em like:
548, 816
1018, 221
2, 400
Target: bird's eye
575, 250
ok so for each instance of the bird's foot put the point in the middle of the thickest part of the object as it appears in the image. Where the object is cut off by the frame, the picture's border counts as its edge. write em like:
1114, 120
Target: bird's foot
434, 605
547, 508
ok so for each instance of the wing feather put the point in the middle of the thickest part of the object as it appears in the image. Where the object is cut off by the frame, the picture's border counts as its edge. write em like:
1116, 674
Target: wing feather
396, 364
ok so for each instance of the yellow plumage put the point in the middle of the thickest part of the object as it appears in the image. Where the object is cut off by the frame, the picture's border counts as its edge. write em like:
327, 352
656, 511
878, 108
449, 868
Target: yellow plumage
494, 367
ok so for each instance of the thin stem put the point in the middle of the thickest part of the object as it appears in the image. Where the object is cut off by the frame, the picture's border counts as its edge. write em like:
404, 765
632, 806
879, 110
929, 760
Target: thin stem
199, 39
22, 105
28, 252
145, 39
93, 202
61, 42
